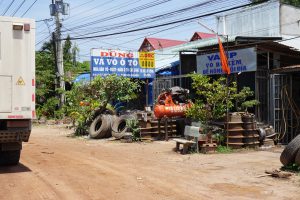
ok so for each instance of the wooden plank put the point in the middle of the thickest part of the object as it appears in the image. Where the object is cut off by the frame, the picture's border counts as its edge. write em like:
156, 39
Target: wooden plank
183, 141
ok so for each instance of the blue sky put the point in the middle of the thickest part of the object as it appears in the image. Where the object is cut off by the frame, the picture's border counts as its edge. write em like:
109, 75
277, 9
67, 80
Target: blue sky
95, 17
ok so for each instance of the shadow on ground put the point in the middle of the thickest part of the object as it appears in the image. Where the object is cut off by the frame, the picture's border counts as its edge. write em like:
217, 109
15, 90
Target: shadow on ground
14, 169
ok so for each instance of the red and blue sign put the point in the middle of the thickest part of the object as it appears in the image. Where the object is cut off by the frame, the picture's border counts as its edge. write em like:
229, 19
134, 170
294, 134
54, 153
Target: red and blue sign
122, 63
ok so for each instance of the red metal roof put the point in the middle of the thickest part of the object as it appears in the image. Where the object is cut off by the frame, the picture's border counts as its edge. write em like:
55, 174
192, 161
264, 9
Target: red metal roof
201, 35
158, 43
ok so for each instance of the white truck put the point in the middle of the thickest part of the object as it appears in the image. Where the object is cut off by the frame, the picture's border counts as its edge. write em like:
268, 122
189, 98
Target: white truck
17, 82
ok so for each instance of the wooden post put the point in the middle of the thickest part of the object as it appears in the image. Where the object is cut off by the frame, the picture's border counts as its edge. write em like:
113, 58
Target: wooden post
166, 129
158, 124
147, 91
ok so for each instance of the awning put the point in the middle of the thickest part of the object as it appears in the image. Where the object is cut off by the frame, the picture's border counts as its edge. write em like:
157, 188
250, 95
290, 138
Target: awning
165, 59
294, 68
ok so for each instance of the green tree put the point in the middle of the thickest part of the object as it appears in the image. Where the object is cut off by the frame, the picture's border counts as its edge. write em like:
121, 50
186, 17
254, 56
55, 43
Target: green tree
45, 79
67, 51
46, 92
85, 101
212, 98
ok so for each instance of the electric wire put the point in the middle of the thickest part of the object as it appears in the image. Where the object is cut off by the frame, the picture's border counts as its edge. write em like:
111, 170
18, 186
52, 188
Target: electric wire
18, 8
8, 7
92, 16
29, 8
124, 13
149, 19
158, 17
87, 2
86, 10
164, 24
144, 20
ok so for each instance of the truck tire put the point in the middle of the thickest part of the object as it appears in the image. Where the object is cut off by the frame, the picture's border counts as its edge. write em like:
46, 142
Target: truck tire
119, 127
289, 153
297, 159
10, 157
262, 134
99, 127
110, 120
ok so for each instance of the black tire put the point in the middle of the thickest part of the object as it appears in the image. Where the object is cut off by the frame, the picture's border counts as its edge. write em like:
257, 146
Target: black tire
110, 120
297, 159
99, 127
10, 157
119, 127
289, 153
262, 134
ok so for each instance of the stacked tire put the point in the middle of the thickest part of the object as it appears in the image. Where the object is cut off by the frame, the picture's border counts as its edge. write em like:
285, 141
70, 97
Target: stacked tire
101, 126
291, 153
105, 126
119, 126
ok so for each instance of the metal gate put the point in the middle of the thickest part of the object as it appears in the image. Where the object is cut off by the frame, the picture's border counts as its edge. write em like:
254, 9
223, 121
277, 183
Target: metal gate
281, 106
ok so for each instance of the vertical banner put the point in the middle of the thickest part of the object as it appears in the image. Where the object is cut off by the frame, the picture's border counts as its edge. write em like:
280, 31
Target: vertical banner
123, 63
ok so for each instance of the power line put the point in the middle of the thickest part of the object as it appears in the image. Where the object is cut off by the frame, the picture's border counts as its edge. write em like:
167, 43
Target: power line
156, 17
82, 4
108, 11
29, 8
124, 13
89, 10
18, 8
165, 24
152, 18
8, 7
93, 16
42, 20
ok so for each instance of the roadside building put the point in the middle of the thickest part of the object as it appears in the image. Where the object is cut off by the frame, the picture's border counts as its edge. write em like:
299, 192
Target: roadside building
263, 52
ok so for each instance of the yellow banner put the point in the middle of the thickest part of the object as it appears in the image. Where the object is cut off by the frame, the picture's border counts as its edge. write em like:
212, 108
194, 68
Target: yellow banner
147, 59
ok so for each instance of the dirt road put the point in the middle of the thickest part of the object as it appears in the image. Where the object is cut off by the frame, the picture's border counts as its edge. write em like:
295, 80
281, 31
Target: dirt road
54, 166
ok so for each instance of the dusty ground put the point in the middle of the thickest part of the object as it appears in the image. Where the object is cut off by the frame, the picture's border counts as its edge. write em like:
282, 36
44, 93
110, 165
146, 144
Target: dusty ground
54, 166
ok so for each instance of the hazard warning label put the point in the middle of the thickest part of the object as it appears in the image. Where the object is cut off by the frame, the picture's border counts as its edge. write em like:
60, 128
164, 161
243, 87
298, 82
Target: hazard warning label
20, 81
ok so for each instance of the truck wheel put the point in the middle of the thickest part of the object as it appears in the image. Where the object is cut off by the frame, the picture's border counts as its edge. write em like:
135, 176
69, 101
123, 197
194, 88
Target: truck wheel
99, 127
119, 127
10, 157
110, 120
297, 159
289, 153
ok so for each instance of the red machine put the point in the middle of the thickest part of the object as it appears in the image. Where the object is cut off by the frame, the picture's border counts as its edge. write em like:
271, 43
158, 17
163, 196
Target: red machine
172, 103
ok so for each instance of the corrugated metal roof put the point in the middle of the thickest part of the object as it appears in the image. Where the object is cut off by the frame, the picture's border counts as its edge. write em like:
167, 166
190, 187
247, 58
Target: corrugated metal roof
294, 68
201, 43
159, 43
201, 35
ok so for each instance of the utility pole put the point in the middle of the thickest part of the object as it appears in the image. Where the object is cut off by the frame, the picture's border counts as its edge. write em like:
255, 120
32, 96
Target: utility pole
58, 8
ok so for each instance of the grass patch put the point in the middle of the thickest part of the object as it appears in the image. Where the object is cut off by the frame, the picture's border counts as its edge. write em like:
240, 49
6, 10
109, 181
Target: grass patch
224, 149
292, 168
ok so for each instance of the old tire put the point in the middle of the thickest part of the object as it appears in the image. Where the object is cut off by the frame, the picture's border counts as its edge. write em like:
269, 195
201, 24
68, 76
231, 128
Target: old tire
10, 157
110, 120
262, 134
100, 127
289, 153
297, 159
119, 127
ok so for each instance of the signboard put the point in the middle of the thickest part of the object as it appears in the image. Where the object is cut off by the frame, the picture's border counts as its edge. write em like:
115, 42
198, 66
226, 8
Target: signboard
242, 60
146, 59
122, 63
